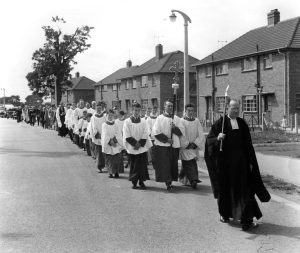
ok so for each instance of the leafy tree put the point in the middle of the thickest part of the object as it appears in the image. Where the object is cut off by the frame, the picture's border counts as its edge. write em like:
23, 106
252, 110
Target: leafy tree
14, 100
33, 100
55, 59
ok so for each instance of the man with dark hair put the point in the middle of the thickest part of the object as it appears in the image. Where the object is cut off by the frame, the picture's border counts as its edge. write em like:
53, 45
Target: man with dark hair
137, 142
191, 143
166, 132
233, 169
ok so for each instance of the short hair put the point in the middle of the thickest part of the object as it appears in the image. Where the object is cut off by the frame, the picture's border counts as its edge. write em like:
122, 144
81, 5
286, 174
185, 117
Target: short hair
101, 103
84, 111
168, 101
136, 105
189, 105
154, 107
89, 115
111, 111
122, 113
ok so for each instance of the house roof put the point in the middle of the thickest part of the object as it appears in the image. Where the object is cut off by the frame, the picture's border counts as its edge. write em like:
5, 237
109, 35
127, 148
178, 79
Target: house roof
118, 75
285, 34
163, 65
82, 83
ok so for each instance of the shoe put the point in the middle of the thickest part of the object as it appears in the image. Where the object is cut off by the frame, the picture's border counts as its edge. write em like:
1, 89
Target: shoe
194, 184
224, 219
169, 187
117, 175
143, 186
134, 186
249, 226
111, 176
99, 170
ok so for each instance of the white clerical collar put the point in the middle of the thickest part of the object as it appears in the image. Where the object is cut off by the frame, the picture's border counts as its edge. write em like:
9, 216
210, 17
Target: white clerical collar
234, 124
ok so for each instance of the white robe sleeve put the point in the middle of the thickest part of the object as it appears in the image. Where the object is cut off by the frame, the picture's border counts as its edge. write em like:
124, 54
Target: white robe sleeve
58, 118
199, 141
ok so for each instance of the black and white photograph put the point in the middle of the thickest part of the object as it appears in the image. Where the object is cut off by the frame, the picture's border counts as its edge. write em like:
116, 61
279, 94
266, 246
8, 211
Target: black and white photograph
134, 126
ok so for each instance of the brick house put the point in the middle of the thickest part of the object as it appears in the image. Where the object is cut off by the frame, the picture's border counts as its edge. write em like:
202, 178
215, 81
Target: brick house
262, 68
149, 83
82, 88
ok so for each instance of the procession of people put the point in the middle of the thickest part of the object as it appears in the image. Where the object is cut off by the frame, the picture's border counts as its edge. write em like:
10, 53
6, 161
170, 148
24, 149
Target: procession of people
112, 140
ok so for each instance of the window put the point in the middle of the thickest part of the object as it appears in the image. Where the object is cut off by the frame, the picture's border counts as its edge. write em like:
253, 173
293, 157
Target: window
105, 87
155, 80
267, 61
114, 87
298, 101
249, 103
127, 104
150, 80
144, 81
220, 102
222, 69
127, 84
134, 84
154, 102
144, 103
208, 71
116, 104
249, 63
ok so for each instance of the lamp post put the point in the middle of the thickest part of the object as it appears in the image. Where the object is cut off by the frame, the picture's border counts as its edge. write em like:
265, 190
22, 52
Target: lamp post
3, 96
186, 93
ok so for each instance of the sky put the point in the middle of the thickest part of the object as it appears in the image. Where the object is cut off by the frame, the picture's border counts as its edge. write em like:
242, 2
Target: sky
124, 29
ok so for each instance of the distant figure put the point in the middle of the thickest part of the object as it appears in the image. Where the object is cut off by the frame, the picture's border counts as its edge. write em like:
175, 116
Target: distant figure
284, 122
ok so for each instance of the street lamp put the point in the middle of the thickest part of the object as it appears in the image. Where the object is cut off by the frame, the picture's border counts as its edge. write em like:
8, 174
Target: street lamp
186, 54
3, 96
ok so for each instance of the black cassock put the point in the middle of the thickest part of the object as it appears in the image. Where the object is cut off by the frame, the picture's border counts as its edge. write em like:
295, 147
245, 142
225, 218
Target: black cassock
234, 183
62, 131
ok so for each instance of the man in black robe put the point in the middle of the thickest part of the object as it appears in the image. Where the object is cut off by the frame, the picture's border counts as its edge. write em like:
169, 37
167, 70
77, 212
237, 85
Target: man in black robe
233, 170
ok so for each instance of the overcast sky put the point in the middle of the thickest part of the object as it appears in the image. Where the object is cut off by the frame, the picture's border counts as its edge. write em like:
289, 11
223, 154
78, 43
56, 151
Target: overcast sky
124, 29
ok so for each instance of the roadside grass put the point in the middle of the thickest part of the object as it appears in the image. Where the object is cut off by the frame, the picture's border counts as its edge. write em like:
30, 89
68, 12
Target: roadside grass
274, 136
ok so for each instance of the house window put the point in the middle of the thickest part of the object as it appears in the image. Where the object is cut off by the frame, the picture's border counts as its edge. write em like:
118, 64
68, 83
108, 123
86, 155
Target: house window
249, 63
144, 103
208, 71
154, 102
127, 104
220, 103
249, 103
127, 84
155, 80
114, 87
267, 61
134, 84
105, 87
150, 79
116, 104
298, 101
222, 69
144, 81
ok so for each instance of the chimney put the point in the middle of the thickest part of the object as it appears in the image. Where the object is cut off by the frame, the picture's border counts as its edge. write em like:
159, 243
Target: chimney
129, 64
77, 74
273, 17
159, 52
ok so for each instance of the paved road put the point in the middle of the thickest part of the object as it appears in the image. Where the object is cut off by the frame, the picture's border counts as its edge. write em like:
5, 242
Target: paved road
53, 200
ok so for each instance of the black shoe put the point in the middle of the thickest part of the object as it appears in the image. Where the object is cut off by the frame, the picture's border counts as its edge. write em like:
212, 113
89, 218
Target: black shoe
99, 170
111, 176
117, 175
143, 186
134, 186
194, 184
224, 219
169, 187
248, 226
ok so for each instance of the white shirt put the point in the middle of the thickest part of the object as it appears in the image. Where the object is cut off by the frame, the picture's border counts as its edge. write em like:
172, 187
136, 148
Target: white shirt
150, 123
78, 113
234, 124
96, 127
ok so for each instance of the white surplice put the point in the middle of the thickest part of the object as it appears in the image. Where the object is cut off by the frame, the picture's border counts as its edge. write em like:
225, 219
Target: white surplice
193, 134
108, 133
137, 131
96, 127
162, 125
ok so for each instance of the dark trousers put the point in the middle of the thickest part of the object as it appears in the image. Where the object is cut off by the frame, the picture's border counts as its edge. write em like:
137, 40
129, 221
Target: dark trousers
71, 134
88, 147
76, 139
100, 161
81, 142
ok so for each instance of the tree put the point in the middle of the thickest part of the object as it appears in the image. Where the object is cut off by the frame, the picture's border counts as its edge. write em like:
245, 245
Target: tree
13, 99
55, 59
33, 100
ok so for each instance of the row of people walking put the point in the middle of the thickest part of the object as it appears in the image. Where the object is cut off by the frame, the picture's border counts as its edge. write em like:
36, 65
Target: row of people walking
164, 139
